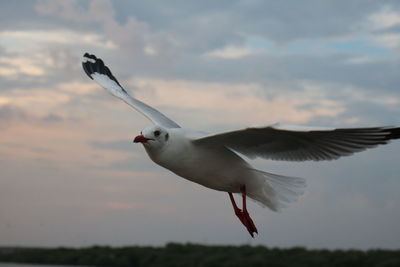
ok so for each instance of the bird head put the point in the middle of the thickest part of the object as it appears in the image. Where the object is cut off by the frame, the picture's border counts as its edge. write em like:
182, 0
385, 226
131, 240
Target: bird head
152, 137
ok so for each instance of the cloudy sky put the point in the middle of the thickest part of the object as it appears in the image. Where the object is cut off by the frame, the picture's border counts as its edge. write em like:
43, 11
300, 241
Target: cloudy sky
70, 174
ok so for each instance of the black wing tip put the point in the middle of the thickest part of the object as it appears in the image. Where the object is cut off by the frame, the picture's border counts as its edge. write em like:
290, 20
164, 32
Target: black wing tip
386, 133
89, 56
394, 133
91, 64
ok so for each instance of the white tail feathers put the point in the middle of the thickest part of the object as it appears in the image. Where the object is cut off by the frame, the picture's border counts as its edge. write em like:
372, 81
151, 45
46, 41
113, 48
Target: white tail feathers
276, 191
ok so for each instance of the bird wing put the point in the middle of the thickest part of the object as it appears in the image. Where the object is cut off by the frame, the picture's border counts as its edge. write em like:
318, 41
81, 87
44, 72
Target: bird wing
297, 143
96, 70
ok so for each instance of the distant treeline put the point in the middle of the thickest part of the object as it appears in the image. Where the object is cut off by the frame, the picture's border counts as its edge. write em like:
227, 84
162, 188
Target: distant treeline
200, 255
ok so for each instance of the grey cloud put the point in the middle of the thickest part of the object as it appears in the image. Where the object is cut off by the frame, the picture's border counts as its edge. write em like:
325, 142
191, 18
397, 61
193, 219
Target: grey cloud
132, 162
222, 22
134, 165
392, 29
23, 82
219, 23
9, 113
301, 20
69, 10
120, 145
61, 62
372, 113
335, 68
277, 21
11, 9
270, 69
179, 60
52, 118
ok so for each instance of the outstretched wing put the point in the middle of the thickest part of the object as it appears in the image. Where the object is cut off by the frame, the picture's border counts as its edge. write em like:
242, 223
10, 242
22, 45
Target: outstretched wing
96, 70
294, 143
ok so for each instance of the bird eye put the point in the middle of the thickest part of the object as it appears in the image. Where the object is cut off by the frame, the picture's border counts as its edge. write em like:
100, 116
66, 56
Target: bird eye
156, 133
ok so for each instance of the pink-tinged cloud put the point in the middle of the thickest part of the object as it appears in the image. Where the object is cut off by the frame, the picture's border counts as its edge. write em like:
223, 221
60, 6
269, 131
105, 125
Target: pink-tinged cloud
236, 103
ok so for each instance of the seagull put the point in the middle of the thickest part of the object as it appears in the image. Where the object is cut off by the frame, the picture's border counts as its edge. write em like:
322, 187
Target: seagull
215, 160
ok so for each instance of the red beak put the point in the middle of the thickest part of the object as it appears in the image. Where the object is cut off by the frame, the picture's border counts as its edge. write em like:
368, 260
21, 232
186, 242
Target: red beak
141, 139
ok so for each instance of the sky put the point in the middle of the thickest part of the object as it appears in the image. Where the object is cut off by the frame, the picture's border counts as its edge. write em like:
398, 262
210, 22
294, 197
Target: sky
71, 176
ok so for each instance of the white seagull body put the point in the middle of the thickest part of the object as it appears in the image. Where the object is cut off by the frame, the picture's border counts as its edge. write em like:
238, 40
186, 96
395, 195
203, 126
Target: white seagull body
212, 160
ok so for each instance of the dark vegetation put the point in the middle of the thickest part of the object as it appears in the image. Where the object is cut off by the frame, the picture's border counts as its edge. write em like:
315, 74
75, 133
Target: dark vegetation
200, 255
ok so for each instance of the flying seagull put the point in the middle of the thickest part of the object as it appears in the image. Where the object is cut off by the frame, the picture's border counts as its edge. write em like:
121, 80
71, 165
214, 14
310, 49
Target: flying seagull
214, 160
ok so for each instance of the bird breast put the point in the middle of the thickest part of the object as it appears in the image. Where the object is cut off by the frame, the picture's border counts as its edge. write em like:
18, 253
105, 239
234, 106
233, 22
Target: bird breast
216, 168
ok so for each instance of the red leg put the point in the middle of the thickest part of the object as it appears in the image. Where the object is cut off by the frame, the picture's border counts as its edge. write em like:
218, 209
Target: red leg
243, 191
243, 215
249, 222
238, 212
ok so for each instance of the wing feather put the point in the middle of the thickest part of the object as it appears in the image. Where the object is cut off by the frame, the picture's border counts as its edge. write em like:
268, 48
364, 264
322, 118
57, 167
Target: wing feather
96, 70
294, 143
